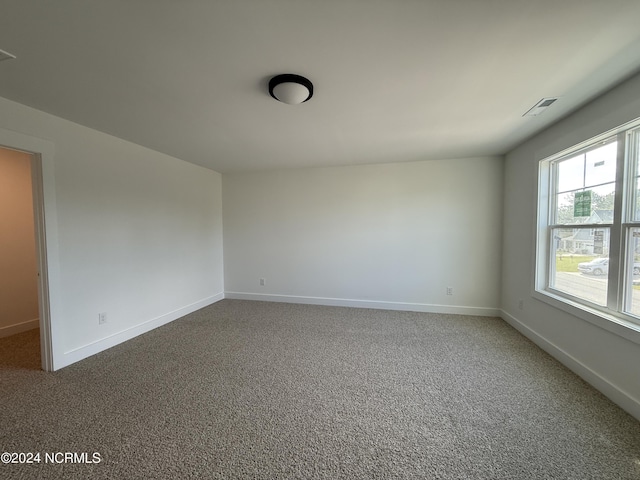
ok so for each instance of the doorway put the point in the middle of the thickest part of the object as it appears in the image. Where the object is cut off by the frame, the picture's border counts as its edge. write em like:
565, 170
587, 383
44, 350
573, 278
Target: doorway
19, 309
25, 271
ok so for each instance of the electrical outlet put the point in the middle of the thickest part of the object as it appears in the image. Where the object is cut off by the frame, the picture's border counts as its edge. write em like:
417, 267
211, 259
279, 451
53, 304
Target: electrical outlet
102, 318
520, 304
449, 290
263, 282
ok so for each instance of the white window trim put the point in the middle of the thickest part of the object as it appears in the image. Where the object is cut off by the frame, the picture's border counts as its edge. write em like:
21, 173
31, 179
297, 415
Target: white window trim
614, 322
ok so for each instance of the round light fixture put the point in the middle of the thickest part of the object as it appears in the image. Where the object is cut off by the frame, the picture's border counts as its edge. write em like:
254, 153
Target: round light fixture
290, 88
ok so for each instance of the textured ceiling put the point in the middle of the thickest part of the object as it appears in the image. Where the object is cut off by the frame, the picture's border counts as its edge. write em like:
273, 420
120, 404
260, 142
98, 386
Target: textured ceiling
395, 80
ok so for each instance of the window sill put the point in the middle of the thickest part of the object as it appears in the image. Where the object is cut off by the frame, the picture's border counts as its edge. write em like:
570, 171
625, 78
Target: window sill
611, 323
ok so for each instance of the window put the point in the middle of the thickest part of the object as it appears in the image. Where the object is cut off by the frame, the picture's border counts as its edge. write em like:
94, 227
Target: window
588, 244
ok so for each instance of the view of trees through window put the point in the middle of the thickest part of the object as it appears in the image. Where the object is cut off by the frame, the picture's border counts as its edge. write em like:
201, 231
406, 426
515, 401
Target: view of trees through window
593, 251
585, 194
598, 202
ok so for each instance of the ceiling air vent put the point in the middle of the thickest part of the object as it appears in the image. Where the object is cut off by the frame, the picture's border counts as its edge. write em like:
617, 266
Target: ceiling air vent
6, 55
540, 107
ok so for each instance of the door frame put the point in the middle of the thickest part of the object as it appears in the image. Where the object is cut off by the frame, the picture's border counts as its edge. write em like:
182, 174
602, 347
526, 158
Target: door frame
46, 233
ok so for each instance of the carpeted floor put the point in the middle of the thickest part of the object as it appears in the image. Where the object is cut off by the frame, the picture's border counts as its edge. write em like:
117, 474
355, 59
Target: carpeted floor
275, 391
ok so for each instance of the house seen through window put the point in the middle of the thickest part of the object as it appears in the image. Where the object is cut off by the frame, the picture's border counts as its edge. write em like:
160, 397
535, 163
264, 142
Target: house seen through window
589, 225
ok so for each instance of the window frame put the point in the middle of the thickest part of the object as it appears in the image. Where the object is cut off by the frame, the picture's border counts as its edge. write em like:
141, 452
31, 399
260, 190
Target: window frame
612, 316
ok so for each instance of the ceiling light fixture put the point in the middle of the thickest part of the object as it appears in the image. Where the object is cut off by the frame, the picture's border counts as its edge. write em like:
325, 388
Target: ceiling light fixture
290, 88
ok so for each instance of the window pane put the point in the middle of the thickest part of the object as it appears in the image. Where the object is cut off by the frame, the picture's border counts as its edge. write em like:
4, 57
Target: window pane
581, 263
602, 199
571, 174
564, 209
601, 165
632, 300
599, 207
636, 203
634, 146
633, 152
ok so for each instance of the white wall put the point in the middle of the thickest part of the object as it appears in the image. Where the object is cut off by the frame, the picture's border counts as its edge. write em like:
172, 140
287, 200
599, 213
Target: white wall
18, 271
138, 234
605, 359
388, 236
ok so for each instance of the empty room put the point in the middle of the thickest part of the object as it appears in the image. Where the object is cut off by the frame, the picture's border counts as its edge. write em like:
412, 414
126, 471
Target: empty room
356, 239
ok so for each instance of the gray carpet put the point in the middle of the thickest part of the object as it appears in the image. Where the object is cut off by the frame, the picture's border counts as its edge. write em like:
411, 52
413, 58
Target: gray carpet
274, 391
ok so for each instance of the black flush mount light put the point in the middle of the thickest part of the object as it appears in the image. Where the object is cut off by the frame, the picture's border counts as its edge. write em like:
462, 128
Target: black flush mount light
290, 88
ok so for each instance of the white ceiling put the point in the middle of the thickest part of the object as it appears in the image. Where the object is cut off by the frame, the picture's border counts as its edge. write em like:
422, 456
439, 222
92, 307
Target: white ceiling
395, 80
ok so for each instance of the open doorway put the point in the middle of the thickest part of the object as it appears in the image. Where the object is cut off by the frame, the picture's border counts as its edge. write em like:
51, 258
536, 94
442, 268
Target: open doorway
19, 307
25, 321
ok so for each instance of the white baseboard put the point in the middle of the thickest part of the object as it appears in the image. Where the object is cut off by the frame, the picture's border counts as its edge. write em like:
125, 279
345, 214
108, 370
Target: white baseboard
85, 351
614, 393
376, 304
19, 327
